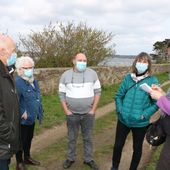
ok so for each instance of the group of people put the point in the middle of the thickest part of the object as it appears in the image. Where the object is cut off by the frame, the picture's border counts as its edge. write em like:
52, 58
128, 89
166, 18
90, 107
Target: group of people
79, 92
20, 105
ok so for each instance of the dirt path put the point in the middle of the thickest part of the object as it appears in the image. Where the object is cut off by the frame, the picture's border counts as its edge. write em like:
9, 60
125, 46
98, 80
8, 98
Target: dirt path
56, 133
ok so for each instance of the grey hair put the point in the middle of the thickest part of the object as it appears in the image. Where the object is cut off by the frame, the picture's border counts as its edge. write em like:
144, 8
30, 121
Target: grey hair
21, 60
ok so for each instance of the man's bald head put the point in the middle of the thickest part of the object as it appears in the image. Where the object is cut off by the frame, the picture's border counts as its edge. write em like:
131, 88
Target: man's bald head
79, 57
7, 47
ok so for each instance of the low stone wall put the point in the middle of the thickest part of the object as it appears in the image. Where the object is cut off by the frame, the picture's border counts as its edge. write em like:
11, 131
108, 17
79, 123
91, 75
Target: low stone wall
49, 77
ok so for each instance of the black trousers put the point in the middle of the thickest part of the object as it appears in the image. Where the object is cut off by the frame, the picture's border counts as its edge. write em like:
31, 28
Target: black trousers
164, 158
138, 135
27, 133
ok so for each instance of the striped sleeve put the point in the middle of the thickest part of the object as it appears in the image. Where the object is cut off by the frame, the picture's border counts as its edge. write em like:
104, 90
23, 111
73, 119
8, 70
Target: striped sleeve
62, 88
97, 85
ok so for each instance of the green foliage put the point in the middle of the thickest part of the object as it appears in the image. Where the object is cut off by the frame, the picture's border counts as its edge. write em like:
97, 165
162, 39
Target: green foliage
56, 45
160, 47
163, 77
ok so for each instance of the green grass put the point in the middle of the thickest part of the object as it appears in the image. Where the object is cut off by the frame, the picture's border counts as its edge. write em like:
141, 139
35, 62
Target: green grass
154, 159
163, 77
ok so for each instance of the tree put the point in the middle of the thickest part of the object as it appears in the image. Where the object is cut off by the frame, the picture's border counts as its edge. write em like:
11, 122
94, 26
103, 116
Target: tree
160, 47
56, 45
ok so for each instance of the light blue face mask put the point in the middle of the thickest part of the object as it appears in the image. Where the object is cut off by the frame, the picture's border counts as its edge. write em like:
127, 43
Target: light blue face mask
12, 59
81, 66
141, 67
28, 73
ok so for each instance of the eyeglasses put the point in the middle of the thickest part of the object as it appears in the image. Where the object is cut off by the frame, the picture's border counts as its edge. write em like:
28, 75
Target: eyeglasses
26, 68
80, 85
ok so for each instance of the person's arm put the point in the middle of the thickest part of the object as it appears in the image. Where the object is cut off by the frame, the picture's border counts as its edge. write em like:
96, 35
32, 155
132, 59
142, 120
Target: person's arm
95, 103
164, 104
65, 108
62, 95
22, 110
97, 94
148, 112
5, 127
120, 95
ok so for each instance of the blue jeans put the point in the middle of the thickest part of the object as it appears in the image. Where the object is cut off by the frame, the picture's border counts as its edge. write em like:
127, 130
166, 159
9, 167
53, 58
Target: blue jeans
74, 123
4, 164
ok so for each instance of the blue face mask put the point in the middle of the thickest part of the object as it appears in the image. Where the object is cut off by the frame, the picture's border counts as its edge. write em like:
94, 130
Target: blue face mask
141, 67
28, 73
81, 66
12, 59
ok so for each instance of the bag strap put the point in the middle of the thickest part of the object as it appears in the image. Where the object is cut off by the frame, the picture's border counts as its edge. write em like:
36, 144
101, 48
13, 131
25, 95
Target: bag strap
136, 84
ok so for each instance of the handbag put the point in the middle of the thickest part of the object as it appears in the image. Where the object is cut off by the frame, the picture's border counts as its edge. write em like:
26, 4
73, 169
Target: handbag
155, 134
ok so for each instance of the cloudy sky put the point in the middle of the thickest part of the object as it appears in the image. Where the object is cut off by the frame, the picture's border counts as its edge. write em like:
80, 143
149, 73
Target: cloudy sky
136, 24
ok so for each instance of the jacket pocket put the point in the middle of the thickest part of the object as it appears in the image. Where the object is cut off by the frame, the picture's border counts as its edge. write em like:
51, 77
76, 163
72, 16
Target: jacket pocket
4, 150
12, 133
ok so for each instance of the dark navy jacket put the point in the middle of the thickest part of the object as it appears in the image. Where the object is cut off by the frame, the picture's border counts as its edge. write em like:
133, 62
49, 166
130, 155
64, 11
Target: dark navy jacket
29, 100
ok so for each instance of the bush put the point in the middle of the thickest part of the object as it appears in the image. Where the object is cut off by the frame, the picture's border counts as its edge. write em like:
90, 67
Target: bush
56, 45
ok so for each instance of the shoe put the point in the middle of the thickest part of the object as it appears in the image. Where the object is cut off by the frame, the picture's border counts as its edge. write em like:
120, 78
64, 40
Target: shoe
21, 166
114, 168
31, 161
67, 163
92, 165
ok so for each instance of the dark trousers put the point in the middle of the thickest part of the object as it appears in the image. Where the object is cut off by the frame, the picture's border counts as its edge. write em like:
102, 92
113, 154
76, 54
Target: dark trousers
4, 164
74, 123
27, 133
121, 134
164, 159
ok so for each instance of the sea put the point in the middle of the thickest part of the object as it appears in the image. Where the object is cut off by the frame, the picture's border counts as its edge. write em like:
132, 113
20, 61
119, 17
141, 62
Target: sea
118, 60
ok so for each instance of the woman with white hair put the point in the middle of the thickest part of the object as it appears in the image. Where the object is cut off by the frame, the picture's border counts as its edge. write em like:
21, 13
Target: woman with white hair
30, 107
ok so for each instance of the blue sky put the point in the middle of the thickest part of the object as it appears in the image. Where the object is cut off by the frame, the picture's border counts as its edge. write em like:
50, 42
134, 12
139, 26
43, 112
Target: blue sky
137, 25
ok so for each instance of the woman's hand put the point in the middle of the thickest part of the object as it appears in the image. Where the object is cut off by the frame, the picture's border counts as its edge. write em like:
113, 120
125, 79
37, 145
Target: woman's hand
24, 116
156, 94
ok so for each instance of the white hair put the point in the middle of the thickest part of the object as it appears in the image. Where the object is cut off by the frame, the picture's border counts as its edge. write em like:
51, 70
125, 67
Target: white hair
21, 60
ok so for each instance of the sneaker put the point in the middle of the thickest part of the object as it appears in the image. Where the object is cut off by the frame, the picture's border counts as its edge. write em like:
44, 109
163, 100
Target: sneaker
92, 165
67, 163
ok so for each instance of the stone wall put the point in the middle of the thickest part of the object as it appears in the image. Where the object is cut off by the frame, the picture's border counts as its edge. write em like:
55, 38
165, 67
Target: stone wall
49, 77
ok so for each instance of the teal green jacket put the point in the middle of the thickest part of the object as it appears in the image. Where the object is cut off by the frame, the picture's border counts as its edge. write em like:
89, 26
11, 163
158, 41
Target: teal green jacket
135, 106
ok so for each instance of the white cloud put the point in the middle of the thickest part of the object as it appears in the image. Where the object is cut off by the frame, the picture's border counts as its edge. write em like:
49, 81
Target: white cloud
137, 24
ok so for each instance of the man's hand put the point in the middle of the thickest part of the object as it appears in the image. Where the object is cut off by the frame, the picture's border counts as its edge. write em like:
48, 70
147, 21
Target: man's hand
92, 112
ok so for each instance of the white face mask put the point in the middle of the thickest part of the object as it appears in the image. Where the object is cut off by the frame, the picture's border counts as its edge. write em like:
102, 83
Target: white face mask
28, 73
81, 66
141, 67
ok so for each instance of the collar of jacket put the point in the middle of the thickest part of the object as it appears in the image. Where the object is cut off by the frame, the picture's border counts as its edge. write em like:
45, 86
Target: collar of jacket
3, 70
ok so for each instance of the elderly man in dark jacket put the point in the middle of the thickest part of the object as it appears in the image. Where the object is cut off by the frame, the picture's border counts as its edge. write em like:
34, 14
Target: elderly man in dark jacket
9, 115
